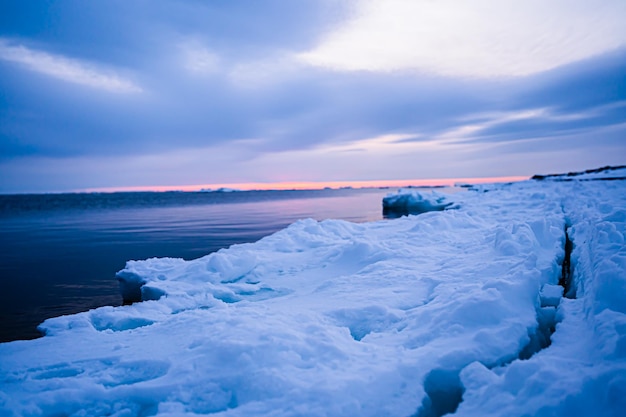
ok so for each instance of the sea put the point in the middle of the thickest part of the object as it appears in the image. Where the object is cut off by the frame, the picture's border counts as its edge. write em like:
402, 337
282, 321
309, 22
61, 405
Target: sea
59, 252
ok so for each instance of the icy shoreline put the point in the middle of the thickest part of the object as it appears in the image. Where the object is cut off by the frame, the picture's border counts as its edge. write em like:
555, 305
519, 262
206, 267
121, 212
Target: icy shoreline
457, 310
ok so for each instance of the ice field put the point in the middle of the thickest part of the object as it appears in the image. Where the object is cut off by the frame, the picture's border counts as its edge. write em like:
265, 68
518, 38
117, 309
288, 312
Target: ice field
510, 302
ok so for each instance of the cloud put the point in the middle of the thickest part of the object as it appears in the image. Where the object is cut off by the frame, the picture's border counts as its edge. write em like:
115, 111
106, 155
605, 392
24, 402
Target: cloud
593, 82
66, 69
471, 38
227, 97
531, 124
198, 59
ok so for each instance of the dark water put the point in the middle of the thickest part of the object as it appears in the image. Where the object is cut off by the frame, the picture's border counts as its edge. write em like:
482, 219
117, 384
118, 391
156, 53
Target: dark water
59, 252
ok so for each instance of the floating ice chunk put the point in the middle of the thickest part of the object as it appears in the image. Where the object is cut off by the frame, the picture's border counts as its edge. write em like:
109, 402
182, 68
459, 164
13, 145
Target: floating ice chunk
406, 202
551, 295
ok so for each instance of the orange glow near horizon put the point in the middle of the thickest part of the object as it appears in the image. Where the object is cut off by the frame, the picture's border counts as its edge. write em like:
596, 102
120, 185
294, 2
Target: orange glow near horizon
312, 185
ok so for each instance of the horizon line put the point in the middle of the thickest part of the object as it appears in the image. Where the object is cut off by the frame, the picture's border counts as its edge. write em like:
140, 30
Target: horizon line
306, 185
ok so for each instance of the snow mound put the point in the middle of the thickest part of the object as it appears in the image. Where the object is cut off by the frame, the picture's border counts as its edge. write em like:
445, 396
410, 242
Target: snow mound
456, 311
405, 202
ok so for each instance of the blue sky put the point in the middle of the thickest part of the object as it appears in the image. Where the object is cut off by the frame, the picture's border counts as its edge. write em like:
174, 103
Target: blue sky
147, 93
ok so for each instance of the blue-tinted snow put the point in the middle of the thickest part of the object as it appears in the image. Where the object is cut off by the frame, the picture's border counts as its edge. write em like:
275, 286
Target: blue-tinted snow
341, 319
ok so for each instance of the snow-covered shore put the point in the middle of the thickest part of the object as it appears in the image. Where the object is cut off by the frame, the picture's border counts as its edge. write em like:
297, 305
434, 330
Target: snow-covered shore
457, 310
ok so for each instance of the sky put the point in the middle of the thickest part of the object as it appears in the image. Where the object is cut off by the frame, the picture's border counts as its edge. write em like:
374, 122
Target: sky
123, 94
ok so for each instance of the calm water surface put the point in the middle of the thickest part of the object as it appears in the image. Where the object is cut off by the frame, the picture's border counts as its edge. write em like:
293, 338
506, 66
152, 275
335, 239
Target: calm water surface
59, 252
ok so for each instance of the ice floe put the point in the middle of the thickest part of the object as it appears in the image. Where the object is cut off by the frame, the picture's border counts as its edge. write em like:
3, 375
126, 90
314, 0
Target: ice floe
410, 201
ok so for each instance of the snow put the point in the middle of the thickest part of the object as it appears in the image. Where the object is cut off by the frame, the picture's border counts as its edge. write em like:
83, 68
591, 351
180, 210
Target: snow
447, 311
604, 173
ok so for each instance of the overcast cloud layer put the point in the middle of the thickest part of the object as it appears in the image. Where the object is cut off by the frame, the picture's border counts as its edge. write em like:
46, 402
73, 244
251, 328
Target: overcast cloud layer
144, 93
